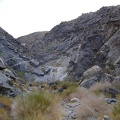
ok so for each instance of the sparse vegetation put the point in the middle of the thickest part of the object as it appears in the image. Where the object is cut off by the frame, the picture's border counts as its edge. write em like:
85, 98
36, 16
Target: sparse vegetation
6, 108
67, 92
116, 85
20, 73
6, 102
99, 88
68, 88
116, 110
4, 114
92, 105
36, 106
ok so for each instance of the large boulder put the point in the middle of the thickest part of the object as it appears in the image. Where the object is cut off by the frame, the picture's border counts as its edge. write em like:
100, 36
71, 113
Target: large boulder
93, 75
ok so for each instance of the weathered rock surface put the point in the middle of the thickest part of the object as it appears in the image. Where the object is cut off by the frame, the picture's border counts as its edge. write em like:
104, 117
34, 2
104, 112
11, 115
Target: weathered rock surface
68, 50
91, 39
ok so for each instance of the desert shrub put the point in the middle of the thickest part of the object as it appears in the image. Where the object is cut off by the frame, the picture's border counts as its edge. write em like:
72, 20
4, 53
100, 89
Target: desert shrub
92, 106
68, 89
80, 92
111, 66
6, 102
67, 92
116, 85
116, 110
36, 106
54, 87
4, 115
6, 108
20, 73
99, 87
67, 84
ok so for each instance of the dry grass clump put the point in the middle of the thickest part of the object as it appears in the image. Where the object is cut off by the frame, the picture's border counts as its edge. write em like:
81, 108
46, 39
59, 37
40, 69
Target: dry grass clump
116, 85
67, 92
92, 105
67, 84
116, 110
99, 87
36, 106
5, 108
4, 115
6, 102
80, 93
68, 89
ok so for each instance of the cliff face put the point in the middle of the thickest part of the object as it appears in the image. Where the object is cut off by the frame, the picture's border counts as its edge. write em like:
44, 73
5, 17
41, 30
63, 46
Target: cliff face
91, 39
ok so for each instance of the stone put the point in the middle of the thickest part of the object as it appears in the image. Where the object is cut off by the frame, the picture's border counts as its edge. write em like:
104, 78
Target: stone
113, 92
9, 73
38, 71
52, 83
110, 100
60, 89
34, 62
3, 78
92, 71
73, 100
106, 117
14, 92
30, 89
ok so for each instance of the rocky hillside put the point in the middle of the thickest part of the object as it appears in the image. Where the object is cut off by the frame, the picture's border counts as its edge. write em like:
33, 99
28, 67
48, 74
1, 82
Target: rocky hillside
30, 41
92, 41
86, 49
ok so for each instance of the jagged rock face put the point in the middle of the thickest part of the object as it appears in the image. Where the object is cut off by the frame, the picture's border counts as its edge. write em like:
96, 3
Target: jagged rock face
26, 67
10, 53
31, 42
10, 49
98, 31
88, 45
91, 39
6, 82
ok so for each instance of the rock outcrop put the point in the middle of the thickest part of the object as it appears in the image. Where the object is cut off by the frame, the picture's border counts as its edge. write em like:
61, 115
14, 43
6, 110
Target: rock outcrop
68, 51
91, 39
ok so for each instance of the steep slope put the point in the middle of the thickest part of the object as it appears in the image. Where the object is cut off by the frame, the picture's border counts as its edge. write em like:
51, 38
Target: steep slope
30, 41
91, 39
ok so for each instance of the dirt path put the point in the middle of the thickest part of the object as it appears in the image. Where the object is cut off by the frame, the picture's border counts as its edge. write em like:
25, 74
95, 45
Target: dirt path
69, 110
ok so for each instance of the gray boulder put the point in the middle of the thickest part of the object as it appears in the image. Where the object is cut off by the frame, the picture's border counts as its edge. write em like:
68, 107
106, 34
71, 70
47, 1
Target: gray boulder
106, 117
34, 62
9, 73
91, 76
111, 100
